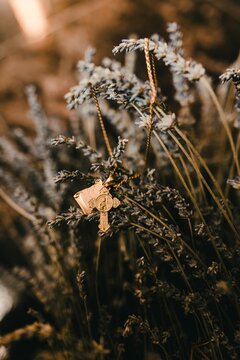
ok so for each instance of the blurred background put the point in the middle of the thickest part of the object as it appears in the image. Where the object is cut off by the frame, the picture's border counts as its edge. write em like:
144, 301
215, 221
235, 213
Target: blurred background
42, 40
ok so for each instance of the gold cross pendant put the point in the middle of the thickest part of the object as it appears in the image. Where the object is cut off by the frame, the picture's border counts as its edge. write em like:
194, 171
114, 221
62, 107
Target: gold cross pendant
97, 196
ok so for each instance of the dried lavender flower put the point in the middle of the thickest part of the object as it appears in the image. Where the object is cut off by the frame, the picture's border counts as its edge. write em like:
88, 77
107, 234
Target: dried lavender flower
234, 76
235, 183
187, 68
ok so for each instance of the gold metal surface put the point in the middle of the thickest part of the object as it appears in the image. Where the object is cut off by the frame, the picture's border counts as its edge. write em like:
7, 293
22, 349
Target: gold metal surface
97, 196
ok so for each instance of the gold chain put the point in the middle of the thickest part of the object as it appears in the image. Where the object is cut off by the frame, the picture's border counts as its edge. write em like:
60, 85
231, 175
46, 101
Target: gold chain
153, 83
108, 182
105, 136
154, 72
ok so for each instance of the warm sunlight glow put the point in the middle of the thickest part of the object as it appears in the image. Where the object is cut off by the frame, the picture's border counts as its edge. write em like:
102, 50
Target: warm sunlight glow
6, 301
31, 17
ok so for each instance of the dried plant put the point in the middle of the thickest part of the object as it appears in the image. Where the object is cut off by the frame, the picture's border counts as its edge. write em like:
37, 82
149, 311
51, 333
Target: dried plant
163, 280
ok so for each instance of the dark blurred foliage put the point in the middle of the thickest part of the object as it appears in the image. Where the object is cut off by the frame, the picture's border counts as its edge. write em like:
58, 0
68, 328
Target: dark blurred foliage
137, 273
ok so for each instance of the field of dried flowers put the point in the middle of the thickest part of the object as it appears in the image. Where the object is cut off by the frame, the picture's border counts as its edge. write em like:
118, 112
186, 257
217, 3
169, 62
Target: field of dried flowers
163, 281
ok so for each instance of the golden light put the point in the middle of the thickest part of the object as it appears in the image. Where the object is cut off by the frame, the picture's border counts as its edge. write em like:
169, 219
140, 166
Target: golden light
31, 17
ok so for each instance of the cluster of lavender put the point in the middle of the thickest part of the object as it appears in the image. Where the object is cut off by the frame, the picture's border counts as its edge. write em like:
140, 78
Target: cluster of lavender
162, 281
234, 76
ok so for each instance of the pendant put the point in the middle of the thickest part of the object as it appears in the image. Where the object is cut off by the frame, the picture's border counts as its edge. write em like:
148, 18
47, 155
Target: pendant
97, 196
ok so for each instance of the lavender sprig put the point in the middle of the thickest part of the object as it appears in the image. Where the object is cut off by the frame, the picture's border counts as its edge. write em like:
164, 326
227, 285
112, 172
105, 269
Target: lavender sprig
77, 144
190, 69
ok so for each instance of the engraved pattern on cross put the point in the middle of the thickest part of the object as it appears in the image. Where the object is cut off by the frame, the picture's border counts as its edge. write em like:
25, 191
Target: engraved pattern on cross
104, 203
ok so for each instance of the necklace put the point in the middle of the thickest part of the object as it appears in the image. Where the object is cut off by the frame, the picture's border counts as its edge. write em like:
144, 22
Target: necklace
97, 196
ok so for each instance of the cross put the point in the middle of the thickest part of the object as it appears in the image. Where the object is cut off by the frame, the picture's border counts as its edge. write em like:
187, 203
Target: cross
99, 197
